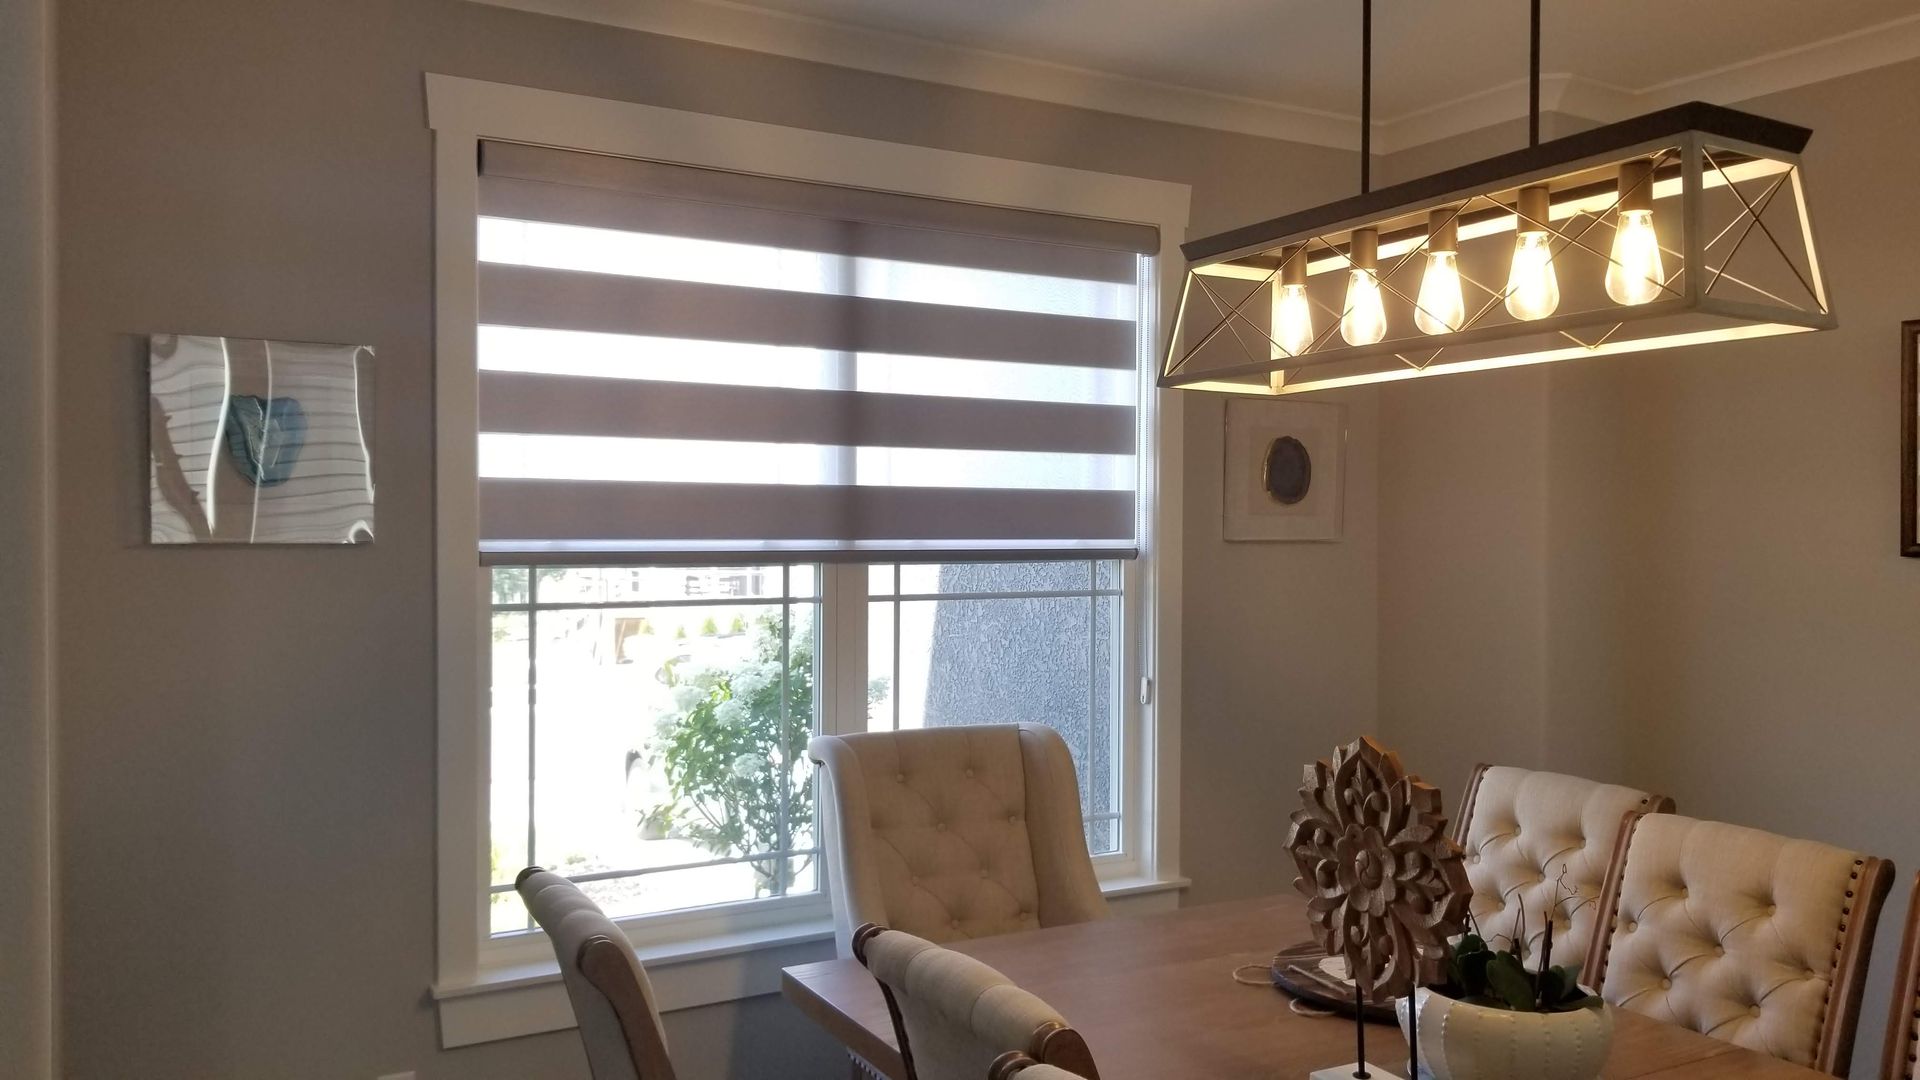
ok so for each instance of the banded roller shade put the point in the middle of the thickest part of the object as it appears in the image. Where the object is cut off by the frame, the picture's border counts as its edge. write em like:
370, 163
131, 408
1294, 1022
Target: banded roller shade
685, 362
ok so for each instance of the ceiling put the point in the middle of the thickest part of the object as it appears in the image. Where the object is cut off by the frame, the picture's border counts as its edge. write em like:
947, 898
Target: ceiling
1290, 68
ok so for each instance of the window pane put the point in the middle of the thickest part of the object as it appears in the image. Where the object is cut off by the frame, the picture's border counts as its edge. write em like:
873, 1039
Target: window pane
1103, 835
509, 584
982, 660
673, 890
881, 699
664, 736
644, 584
880, 580
507, 788
920, 579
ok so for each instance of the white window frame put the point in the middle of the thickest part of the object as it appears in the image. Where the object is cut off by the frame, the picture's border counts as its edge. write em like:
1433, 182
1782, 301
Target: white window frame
490, 990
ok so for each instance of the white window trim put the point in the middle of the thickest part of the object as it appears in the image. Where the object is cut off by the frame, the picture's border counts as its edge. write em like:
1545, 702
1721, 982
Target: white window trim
500, 994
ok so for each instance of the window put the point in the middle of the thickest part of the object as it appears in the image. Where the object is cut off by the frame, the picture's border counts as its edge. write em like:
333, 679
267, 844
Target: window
649, 729
802, 434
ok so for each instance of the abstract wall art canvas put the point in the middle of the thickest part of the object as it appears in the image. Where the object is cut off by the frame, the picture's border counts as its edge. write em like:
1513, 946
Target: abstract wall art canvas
258, 442
1284, 469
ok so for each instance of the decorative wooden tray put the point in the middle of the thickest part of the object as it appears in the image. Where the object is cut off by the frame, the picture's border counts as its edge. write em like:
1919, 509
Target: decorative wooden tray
1296, 970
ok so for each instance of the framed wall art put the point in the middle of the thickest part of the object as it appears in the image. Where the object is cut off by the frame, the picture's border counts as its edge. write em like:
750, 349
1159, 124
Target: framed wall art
1285, 470
1910, 438
258, 442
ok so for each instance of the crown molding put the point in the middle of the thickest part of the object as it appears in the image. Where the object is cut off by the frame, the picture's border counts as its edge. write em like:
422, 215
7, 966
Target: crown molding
721, 22
800, 37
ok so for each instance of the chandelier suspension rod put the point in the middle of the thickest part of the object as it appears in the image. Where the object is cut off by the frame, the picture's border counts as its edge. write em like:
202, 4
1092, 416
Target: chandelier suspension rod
1366, 96
1533, 82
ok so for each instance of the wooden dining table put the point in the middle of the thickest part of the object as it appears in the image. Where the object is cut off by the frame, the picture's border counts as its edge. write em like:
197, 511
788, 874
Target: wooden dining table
1156, 997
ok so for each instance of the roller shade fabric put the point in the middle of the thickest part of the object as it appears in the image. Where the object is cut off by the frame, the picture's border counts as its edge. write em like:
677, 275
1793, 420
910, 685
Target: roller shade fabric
684, 362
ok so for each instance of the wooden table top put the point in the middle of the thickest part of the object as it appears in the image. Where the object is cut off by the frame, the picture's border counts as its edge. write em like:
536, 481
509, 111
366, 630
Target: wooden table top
1155, 997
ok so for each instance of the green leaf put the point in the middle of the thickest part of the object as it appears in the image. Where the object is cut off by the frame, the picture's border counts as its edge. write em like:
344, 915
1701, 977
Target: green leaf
1553, 986
1473, 972
1509, 982
1570, 993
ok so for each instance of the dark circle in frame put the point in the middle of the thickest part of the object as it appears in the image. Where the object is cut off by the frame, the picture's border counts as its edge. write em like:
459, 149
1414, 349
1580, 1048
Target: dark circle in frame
1287, 472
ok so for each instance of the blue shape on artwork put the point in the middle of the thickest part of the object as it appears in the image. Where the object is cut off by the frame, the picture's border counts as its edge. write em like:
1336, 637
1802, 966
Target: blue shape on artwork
265, 437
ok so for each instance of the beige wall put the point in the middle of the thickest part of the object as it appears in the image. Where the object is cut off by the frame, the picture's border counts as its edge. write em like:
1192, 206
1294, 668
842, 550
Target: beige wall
1281, 659
26, 291
246, 741
1681, 569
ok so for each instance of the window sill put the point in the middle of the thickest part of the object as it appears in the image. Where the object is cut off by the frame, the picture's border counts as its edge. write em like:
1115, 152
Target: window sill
527, 999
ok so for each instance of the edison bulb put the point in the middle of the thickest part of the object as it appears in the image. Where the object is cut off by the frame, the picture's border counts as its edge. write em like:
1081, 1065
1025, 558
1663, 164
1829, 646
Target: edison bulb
1533, 290
1365, 321
1292, 320
1441, 309
1635, 275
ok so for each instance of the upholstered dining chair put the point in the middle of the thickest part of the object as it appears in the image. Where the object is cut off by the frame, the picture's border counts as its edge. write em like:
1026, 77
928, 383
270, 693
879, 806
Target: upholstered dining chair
1902, 1055
954, 833
955, 1018
1014, 1063
1539, 843
612, 1000
1757, 939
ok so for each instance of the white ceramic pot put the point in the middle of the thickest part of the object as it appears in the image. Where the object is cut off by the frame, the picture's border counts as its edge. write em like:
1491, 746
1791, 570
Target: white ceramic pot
1459, 1041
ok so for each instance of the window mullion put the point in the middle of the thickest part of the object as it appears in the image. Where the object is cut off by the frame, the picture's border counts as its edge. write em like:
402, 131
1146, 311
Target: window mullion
843, 648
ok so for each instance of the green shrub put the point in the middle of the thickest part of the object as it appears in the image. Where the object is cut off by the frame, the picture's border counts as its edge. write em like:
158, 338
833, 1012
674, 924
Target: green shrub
734, 755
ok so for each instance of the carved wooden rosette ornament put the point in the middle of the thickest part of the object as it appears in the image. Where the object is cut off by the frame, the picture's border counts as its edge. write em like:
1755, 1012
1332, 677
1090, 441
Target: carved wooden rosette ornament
1385, 886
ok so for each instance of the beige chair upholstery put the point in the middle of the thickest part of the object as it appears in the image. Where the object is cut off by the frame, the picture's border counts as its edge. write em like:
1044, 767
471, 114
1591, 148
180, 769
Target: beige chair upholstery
1902, 1054
1528, 837
955, 1017
612, 1000
1017, 1064
954, 833
1753, 938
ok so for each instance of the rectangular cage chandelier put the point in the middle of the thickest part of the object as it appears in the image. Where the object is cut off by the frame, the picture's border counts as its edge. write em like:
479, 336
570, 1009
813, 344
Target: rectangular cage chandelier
1680, 227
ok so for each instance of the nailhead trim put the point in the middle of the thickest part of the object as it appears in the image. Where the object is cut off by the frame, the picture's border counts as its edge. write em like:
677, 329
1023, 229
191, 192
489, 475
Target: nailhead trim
1839, 947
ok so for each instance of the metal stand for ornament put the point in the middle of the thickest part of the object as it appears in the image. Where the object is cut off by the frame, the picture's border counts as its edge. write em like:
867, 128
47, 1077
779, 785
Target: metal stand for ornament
1359, 1069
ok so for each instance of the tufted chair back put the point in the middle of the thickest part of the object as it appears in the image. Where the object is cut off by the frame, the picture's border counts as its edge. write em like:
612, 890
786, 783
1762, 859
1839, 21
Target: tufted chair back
954, 833
955, 1017
612, 999
1527, 835
1902, 1055
1753, 938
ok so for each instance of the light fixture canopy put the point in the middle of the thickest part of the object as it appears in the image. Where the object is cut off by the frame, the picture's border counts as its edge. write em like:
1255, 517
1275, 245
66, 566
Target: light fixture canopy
1714, 244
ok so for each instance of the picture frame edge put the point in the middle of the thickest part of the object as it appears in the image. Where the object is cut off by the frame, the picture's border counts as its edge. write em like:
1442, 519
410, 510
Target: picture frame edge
1910, 439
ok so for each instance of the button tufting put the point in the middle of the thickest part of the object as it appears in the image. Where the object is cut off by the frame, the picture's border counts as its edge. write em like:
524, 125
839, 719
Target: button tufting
1755, 1011
1666, 984
940, 826
1627, 927
899, 778
913, 881
1013, 819
983, 875
1719, 950
956, 924
969, 774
